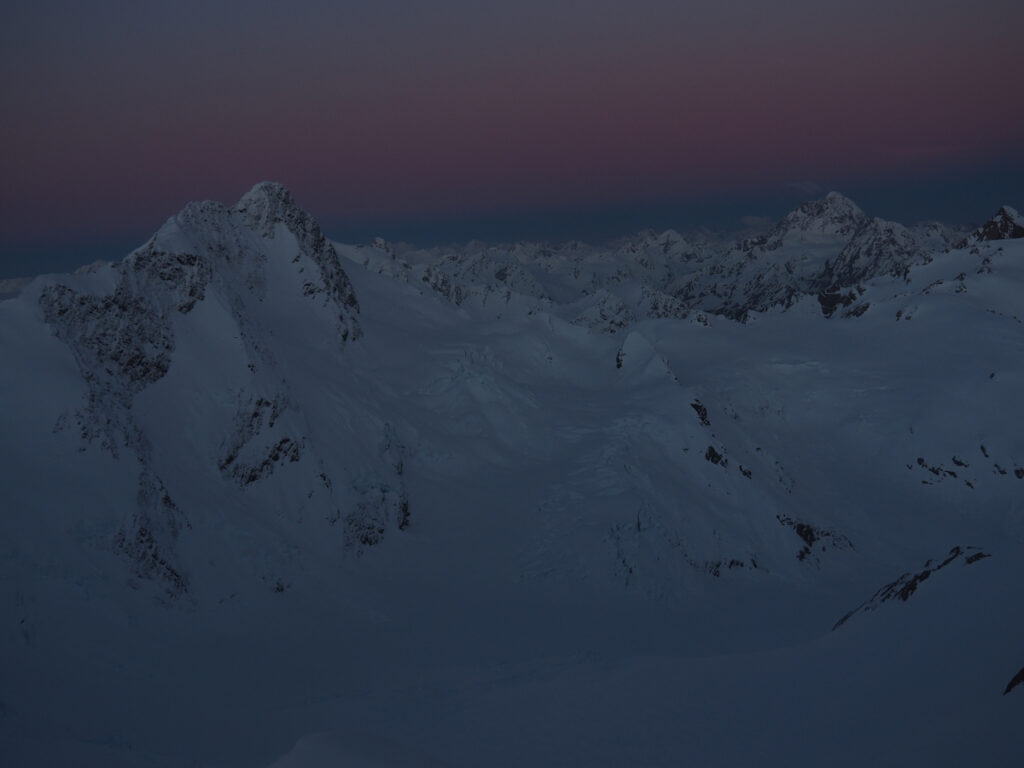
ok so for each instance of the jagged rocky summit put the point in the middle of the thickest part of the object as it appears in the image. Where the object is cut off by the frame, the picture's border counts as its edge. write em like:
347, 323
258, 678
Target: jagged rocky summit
1007, 224
186, 352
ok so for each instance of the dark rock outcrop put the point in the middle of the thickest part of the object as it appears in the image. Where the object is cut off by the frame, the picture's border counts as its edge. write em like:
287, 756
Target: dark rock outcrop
1017, 679
907, 584
1007, 224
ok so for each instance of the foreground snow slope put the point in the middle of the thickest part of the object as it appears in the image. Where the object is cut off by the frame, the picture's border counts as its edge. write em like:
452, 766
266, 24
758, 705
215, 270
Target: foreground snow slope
270, 498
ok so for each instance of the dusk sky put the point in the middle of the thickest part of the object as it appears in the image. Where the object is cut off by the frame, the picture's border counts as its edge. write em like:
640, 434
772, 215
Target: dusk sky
452, 119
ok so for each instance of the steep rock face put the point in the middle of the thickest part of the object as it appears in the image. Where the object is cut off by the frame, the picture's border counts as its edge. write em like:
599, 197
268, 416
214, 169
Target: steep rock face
267, 205
149, 536
254, 447
1007, 224
776, 269
878, 248
249, 270
834, 215
122, 343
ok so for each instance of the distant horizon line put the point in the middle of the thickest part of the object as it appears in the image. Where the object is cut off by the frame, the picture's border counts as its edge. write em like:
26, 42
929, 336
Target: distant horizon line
739, 230
959, 201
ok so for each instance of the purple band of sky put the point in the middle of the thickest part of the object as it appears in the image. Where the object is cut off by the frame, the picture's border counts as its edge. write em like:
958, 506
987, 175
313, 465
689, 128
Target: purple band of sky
393, 108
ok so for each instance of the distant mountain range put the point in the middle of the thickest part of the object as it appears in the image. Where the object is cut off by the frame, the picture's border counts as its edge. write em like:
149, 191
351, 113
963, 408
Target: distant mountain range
825, 248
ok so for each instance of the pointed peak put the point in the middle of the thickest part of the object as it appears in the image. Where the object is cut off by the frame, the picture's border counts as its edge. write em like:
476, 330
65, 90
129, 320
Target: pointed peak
269, 203
267, 200
835, 213
840, 203
264, 192
1007, 213
839, 197
198, 214
1007, 224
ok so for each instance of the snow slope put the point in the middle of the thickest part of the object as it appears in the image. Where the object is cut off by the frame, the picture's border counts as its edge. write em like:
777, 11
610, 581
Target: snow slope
274, 500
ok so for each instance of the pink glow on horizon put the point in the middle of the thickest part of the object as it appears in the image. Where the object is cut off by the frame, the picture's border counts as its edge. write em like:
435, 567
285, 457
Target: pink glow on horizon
470, 131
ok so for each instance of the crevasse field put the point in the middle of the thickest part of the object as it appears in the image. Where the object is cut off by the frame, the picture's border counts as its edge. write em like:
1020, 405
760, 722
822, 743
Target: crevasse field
274, 501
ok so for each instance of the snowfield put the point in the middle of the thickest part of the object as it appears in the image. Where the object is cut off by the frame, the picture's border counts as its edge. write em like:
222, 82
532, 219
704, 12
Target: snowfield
271, 500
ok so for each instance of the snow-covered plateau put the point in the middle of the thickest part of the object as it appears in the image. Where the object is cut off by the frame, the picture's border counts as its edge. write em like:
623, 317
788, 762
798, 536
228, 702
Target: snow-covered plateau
270, 500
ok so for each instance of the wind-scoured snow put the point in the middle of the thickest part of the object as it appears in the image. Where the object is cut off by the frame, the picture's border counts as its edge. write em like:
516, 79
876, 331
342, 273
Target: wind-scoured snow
273, 500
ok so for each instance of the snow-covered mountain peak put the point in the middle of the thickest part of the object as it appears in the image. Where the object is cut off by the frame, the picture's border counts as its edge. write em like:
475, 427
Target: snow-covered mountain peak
669, 241
218, 301
1007, 224
1012, 213
266, 195
834, 214
263, 238
838, 198
268, 204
